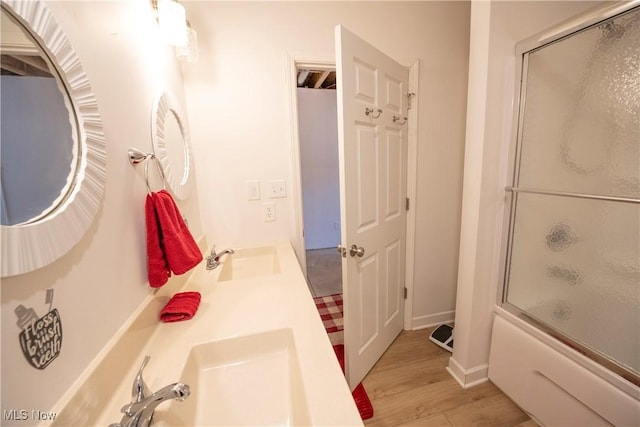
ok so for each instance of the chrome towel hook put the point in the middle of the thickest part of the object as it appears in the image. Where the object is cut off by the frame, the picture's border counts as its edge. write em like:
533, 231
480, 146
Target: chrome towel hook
397, 119
369, 112
136, 156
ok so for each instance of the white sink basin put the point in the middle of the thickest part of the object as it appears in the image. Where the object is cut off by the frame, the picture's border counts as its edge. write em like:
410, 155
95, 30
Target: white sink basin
252, 380
250, 262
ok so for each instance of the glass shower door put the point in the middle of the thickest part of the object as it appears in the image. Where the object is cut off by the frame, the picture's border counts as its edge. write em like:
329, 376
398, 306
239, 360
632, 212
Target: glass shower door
573, 263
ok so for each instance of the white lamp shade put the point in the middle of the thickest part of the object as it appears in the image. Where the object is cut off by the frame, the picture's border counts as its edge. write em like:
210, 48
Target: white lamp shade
173, 22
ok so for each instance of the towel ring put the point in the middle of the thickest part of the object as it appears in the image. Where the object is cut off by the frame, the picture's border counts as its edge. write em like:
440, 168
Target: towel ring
159, 167
136, 156
369, 112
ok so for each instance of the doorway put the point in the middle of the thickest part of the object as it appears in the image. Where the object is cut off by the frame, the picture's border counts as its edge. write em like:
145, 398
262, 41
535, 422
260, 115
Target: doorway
319, 173
384, 288
293, 66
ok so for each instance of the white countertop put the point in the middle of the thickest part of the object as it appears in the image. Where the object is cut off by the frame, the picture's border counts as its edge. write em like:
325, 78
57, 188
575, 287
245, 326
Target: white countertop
245, 307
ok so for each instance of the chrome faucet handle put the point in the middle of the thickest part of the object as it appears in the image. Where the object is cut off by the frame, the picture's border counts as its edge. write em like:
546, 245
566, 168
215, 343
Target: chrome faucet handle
140, 391
143, 404
139, 414
213, 255
213, 260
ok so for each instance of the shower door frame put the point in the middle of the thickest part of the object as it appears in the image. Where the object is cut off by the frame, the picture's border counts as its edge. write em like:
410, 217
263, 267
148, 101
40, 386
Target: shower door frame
523, 49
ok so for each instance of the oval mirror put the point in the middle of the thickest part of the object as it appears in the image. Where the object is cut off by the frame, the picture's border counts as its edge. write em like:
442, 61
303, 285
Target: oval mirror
34, 114
171, 144
53, 150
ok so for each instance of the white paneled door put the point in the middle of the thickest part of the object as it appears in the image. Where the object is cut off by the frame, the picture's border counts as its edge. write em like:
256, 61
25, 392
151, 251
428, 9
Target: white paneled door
372, 133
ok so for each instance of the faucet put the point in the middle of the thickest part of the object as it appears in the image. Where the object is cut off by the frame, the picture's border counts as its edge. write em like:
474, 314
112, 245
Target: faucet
140, 411
213, 260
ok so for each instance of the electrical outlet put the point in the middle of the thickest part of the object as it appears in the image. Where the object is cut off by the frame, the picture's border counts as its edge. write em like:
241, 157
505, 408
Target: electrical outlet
269, 211
277, 188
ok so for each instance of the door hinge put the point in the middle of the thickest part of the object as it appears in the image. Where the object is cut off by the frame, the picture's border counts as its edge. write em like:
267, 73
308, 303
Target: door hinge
410, 95
407, 203
405, 292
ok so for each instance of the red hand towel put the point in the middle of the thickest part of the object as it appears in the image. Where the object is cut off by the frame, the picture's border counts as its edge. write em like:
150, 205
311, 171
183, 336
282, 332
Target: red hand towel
157, 266
181, 306
180, 248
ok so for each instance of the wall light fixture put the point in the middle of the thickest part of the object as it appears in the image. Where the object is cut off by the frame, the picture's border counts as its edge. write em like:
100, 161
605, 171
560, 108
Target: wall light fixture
175, 29
189, 52
172, 21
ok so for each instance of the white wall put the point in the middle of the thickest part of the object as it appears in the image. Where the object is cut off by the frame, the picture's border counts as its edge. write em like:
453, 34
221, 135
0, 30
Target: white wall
239, 102
496, 28
102, 279
318, 127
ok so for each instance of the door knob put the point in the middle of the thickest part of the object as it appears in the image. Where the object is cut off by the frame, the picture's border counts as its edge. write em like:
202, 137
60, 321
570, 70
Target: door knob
356, 251
342, 250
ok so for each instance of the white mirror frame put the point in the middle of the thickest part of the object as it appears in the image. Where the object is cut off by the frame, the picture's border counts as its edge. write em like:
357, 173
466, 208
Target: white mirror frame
164, 105
31, 246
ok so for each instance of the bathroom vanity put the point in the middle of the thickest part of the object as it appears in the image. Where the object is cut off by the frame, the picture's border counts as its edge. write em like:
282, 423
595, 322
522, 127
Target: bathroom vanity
255, 353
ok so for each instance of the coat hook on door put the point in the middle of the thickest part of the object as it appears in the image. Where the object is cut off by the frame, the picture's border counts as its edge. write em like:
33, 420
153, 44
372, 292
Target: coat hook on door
397, 119
369, 112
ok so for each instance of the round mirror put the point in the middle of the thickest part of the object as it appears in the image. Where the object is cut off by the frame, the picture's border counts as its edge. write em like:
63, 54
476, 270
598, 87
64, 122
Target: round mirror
53, 149
171, 144
177, 153
39, 130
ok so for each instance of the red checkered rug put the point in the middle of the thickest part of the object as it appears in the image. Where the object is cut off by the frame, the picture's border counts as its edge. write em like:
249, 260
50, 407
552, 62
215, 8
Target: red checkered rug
330, 309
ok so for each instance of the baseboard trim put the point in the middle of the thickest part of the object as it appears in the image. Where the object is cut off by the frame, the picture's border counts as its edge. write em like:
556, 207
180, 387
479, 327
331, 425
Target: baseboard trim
423, 322
468, 378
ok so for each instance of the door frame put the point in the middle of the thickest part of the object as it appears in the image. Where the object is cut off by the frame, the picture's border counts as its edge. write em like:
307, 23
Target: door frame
292, 64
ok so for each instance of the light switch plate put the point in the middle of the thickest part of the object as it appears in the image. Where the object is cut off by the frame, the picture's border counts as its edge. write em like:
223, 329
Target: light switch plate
253, 190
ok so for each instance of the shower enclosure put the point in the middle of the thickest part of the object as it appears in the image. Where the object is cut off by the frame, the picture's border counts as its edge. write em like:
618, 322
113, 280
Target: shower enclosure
573, 251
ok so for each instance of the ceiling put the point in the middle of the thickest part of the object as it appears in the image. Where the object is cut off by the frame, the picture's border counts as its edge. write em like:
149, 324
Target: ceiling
24, 65
316, 79
19, 55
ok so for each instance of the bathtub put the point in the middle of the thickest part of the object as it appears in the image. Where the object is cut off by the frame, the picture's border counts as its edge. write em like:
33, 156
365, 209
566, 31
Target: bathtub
555, 384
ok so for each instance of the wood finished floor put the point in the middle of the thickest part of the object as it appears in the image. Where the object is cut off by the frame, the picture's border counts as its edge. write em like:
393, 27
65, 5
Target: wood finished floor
410, 387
